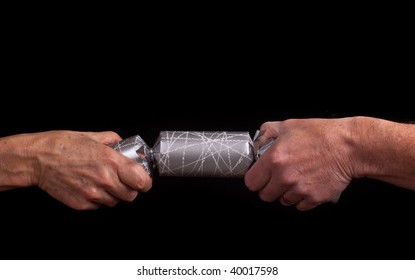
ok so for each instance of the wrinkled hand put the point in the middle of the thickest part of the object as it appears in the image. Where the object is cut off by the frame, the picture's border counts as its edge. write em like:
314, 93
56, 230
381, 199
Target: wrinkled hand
308, 164
80, 170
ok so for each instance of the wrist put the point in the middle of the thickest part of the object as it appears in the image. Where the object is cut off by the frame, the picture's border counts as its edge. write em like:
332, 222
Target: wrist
17, 166
367, 141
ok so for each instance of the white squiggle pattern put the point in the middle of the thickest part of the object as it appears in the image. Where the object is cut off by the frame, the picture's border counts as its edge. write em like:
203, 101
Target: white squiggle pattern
203, 153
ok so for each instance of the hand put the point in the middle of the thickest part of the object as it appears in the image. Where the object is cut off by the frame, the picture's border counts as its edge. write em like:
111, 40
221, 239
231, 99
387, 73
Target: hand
308, 164
80, 170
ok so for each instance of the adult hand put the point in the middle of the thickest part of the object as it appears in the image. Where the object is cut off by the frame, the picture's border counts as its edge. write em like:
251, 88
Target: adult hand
308, 164
76, 168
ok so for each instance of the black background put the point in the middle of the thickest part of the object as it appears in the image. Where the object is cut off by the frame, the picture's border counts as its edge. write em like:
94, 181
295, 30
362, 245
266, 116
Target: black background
135, 82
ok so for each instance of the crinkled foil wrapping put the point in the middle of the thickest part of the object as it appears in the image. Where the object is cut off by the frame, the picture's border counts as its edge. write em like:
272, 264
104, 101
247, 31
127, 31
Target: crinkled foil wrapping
195, 153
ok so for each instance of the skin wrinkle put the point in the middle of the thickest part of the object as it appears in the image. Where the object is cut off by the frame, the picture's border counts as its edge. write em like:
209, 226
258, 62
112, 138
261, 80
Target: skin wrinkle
314, 160
311, 159
72, 167
385, 166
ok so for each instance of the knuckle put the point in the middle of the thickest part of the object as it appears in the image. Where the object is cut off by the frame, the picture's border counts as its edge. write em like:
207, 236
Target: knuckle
92, 194
265, 125
277, 158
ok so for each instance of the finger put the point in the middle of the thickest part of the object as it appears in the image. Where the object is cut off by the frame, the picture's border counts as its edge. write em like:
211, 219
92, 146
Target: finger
86, 205
258, 175
269, 130
105, 137
123, 192
289, 198
106, 199
273, 189
133, 175
80, 203
306, 204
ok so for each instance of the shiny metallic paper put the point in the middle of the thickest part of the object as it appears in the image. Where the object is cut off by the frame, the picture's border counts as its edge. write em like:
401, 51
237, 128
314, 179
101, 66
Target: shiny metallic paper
135, 148
194, 153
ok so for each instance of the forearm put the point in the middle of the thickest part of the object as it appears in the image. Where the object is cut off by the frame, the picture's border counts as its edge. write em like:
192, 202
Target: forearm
16, 166
385, 150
